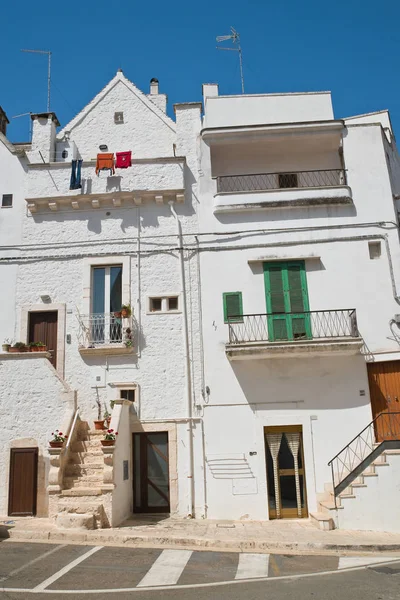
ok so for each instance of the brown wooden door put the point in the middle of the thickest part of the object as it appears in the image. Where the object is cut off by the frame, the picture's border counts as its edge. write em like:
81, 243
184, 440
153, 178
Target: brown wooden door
150, 472
384, 387
43, 328
23, 482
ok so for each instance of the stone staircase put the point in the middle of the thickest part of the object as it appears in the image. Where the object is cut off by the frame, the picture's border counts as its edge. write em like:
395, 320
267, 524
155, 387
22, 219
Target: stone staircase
84, 499
329, 514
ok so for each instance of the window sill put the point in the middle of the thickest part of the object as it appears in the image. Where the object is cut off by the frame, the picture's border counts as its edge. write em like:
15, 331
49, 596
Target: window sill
106, 350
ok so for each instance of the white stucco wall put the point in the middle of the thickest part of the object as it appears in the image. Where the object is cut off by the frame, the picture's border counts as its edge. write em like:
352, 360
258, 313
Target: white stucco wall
33, 403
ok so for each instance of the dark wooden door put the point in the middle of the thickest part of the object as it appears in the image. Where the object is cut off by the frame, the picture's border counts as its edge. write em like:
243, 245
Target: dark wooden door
384, 386
150, 472
43, 328
23, 482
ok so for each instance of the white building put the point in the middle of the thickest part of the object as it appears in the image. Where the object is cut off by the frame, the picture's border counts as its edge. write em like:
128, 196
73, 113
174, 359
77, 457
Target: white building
257, 248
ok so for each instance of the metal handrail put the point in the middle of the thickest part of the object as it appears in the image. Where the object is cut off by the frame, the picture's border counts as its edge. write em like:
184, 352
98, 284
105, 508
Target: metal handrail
349, 462
72, 429
251, 182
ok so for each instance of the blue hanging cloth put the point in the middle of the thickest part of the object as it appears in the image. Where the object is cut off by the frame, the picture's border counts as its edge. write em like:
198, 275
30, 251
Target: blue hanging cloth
75, 181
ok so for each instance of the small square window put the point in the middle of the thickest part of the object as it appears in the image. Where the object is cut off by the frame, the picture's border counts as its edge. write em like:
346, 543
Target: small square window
288, 180
118, 117
173, 303
155, 304
128, 395
7, 201
374, 250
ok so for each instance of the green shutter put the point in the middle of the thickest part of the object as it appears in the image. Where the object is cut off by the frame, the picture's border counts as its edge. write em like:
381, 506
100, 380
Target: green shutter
233, 308
287, 301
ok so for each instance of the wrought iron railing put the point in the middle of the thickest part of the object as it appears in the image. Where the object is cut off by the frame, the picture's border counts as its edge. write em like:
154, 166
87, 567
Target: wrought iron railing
261, 182
278, 327
383, 432
105, 329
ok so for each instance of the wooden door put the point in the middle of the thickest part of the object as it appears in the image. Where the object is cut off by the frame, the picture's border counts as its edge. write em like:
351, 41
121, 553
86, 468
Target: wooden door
150, 472
384, 387
43, 328
23, 482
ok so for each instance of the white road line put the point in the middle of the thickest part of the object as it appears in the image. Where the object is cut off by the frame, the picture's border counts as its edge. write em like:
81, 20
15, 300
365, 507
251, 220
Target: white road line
359, 561
252, 565
42, 586
167, 569
32, 562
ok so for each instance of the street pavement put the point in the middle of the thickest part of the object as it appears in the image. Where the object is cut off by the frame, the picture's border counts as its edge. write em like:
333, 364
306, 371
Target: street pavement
78, 571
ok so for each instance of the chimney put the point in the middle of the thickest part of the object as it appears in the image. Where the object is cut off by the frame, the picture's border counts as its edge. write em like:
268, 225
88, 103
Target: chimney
3, 122
160, 100
43, 137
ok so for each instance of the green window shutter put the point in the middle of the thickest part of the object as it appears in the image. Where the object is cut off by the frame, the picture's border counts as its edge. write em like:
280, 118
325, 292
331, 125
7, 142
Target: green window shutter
233, 307
295, 288
276, 289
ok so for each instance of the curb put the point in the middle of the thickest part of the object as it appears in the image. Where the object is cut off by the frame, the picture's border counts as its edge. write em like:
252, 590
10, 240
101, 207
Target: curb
199, 544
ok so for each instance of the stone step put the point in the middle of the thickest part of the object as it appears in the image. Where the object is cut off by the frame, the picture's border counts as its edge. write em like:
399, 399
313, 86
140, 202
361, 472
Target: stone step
323, 521
83, 458
392, 451
79, 470
82, 482
86, 446
330, 505
82, 492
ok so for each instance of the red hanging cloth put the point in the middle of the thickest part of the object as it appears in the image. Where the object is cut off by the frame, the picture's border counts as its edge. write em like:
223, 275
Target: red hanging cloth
124, 160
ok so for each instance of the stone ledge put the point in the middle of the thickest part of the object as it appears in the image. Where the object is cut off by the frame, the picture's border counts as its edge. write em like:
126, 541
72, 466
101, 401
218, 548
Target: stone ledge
6, 355
255, 350
103, 350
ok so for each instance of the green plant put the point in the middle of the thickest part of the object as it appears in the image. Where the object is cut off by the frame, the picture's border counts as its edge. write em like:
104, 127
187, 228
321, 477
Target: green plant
126, 310
128, 343
110, 435
106, 414
58, 436
112, 402
19, 345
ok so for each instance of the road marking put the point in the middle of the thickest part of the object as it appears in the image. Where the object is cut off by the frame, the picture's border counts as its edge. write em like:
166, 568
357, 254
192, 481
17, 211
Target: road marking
33, 561
359, 561
252, 565
42, 586
167, 569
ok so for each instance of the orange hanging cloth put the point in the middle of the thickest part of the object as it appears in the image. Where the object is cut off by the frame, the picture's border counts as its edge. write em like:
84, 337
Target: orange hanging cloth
105, 161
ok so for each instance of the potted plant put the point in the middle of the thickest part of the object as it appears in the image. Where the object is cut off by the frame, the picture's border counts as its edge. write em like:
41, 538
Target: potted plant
109, 437
40, 347
18, 347
99, 423
34, 346
126, 311
58, 439
6, 345
117, 314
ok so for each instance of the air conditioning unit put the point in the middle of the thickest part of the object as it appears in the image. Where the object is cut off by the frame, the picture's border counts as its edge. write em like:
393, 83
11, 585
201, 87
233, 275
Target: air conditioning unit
66, 151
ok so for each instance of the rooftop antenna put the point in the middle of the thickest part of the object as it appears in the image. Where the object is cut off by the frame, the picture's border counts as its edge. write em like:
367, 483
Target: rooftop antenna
235, 37
48, 71
30, 122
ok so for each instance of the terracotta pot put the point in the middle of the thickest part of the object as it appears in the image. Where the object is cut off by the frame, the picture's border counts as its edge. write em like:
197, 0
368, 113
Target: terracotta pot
124, 313
56, 444
99, 424
107, 442
117, 314
33, 349
41, 348
15, 350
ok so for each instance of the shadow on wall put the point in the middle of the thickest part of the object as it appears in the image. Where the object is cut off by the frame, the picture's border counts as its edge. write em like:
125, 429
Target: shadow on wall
312, 383
292, 214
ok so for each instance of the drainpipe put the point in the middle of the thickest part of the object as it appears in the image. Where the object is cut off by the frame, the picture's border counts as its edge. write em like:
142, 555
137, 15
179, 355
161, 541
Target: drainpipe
187, 364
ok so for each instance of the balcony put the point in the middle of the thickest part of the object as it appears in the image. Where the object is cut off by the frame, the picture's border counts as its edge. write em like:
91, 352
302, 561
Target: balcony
309, 333
156, 179
279, 190
105, 333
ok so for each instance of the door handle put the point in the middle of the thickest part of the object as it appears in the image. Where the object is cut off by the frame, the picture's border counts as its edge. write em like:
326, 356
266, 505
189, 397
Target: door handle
388, 399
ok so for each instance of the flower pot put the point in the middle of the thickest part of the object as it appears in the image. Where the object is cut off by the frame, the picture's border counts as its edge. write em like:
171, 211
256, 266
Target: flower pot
56, 444
23, 349
107, 442
99, 424
117, 314
5, 347
41, 348
125, 313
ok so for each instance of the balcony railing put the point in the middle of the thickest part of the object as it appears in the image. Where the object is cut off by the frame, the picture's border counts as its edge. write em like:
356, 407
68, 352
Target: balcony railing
105, 329
283, 327
262, 182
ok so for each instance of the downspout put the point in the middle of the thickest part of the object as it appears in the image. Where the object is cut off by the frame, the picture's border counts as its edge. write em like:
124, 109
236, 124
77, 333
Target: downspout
187, 365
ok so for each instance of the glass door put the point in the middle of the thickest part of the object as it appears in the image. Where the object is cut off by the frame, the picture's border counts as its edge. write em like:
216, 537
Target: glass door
106, 300
285, 472
151, 476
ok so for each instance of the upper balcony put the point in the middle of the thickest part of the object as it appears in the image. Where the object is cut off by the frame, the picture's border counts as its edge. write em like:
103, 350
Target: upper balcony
156, 179
283, 189
310, 333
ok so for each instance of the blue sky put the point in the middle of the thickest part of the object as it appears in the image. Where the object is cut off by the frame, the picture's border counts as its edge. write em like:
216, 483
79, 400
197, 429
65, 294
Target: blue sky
349, 47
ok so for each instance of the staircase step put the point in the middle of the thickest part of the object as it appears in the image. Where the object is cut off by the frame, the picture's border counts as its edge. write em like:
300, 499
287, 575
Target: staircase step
82, 482
358, 485
392, 451
330, 505
86, 446
370, 474
82, 491
84, 458
323, 521
83, 469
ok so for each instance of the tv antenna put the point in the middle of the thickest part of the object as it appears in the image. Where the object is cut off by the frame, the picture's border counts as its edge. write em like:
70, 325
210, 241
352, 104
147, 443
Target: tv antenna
48, 71
235, 38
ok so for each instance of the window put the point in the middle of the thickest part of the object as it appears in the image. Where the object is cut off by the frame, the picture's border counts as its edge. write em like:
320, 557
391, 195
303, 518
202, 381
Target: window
118, 117
233, 307
128, 394
106, 302
6, 201
287, 180
164, 304
287, 301
374, 250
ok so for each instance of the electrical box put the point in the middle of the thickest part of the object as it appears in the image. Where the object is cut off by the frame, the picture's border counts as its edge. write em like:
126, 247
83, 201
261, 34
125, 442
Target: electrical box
66, 151
97, 377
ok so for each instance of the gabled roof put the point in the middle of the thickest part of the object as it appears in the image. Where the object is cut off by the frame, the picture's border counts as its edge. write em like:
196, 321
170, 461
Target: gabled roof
119, 77
9, 145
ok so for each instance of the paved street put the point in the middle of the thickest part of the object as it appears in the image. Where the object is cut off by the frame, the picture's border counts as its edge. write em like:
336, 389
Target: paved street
59, 571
